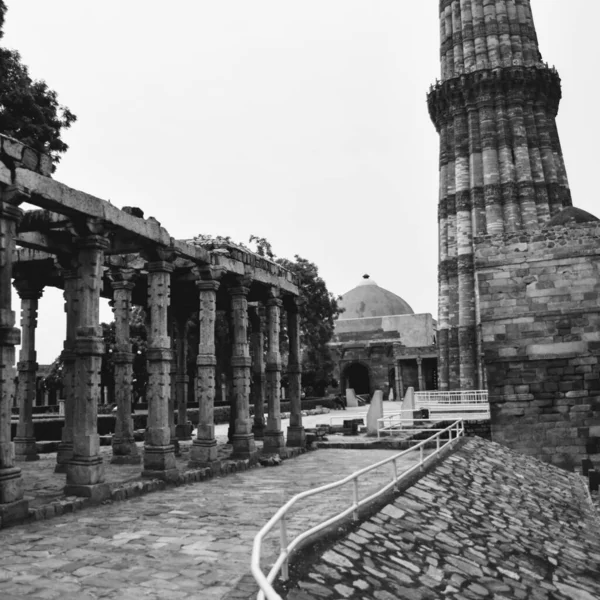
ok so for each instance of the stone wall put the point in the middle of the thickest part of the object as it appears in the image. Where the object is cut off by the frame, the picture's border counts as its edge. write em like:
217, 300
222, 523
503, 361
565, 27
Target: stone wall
540, 326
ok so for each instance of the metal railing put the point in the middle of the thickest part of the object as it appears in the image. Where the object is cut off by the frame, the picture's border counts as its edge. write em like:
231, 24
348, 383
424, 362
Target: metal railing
473, 404
454, 431
422, 399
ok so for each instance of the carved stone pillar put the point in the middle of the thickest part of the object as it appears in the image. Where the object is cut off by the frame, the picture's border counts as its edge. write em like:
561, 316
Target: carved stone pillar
274, 441
204, 447
124, 448
30, 293
295, 435
257, 340
12, 504
420, 374
65, 448
182, 429
243, 440
159, 453
85, 470
399, 391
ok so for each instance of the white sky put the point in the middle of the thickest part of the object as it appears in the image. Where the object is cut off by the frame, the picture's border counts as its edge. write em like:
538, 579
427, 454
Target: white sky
303, 122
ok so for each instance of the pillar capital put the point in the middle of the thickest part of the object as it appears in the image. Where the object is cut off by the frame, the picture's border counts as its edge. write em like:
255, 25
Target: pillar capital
239, 290
160, 266
29, 288
207, 285
92, 242
9, 212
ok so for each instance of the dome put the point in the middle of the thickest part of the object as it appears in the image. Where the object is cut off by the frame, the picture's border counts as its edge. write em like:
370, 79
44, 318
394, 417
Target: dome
367, 299
571, 216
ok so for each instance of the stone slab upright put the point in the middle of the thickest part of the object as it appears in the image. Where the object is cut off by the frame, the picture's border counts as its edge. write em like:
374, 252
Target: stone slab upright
159, 453
85, 470
12, 503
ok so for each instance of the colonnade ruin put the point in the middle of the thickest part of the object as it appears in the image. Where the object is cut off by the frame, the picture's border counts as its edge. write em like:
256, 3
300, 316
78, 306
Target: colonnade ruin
91, 249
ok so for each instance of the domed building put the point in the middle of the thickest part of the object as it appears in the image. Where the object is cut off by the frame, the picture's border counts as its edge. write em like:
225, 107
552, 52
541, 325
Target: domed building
380, 343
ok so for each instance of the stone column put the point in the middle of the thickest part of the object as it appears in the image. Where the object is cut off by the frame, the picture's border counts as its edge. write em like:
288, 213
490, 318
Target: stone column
295, 434
159, 453
273, 435
258, 371
204, 447
399, 383
182, 430
124, 448
12, 504
243, 440
420, 374
65, 448
85, 470
30, 293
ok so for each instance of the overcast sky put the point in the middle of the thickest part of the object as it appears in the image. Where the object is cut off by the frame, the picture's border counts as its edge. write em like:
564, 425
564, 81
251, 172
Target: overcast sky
303, 122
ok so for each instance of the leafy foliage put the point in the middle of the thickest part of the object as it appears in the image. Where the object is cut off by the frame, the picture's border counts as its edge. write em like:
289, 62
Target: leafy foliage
29, 109
318, 312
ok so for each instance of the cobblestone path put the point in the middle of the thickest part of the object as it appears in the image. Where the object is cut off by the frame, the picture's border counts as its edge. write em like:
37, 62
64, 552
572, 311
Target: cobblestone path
484, 523
188, 542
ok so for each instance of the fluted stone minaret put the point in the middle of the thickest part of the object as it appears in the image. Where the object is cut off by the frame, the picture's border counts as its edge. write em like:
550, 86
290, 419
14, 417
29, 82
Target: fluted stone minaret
501, 165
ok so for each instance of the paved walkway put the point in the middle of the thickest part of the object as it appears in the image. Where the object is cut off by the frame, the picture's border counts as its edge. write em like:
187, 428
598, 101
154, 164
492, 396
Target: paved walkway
43, 486
486, 522
188, 542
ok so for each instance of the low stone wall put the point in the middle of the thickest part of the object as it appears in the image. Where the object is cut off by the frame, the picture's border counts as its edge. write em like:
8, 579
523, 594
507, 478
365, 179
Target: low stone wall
540, 323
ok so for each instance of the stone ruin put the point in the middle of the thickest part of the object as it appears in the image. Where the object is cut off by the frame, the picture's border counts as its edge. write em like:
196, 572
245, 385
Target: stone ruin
90, 249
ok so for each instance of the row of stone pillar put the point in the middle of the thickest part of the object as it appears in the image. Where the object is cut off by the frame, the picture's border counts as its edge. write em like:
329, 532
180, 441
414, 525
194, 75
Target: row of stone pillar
78, 455
399, 379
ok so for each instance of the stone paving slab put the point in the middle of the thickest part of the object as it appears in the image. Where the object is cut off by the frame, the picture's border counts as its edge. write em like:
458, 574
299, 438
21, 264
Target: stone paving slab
486, 522
187, 542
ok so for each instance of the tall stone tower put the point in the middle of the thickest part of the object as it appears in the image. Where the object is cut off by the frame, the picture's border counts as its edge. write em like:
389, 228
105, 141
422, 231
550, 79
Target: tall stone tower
501, 165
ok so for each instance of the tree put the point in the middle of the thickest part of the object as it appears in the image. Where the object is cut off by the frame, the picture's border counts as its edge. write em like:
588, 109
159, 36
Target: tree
29, 109
318, 312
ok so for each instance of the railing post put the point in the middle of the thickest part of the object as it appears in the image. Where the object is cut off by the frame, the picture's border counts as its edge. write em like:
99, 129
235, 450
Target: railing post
437, 443
355, 497
283, 544
421, 457
395, 467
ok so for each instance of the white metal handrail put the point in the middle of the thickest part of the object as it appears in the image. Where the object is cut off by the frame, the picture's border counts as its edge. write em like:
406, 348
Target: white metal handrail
455, 397
287, 549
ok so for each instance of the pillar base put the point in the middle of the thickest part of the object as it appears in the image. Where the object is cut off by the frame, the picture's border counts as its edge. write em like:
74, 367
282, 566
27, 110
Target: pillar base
203, 453
243, 446
95, 492
84, 471
125, 452
183, 432
258, 430
296, 437
63, 456
273, 442
25, 449
13, 512
11, 485
164, 474
159, 459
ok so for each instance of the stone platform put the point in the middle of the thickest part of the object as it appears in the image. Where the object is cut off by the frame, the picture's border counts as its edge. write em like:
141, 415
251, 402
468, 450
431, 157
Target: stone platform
486, 522
180, 543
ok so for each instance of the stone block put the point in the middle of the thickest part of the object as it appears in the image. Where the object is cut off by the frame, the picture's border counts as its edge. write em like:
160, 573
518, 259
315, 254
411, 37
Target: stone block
96, 493
374, 413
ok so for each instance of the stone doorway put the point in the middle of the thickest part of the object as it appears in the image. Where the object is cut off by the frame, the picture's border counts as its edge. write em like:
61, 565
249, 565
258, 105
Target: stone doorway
356, 376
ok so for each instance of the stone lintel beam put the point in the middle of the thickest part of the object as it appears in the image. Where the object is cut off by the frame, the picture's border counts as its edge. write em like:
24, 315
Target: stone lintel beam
58, 197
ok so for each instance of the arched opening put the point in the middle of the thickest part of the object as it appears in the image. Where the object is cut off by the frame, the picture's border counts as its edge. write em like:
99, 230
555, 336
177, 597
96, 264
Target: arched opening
357, 378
